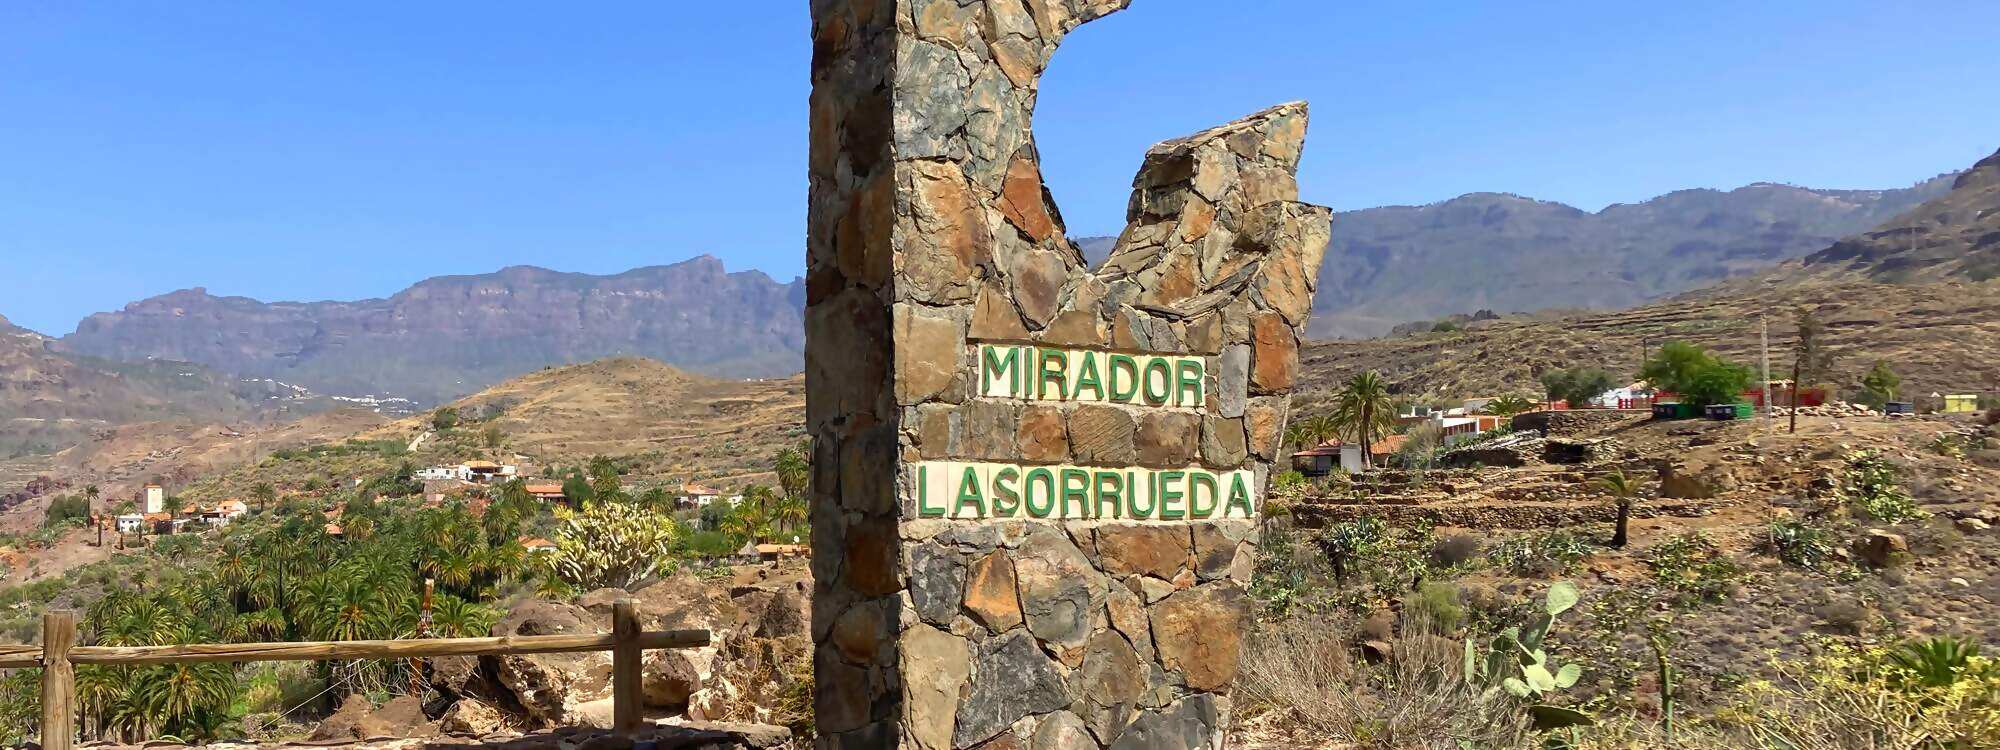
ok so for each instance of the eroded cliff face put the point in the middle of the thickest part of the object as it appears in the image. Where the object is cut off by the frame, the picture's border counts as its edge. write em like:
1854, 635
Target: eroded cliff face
449, 336
1952, 238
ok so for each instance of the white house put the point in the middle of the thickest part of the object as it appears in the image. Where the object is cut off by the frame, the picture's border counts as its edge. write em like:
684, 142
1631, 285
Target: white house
1617, 398
224, 512
154, 500
131, 523
696, 496
470, 471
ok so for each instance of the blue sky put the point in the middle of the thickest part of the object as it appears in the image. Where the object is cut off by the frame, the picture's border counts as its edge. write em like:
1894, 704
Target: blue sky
346, 150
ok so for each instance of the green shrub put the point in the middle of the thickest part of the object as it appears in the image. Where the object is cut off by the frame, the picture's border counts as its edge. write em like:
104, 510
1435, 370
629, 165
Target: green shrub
66, 511
1576, 386
709, 545
1800, 544
1542, 554
1870, 487
1435, 606
1691, 563
1700, 378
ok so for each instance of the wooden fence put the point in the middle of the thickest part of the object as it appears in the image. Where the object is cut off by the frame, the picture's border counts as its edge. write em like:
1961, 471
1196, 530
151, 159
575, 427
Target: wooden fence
58, 655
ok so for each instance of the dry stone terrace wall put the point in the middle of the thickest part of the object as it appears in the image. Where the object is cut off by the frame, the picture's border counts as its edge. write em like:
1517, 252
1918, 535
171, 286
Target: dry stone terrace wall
931, 235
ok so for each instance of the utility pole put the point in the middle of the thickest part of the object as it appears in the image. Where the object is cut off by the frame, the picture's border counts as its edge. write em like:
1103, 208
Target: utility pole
1795, 393
1764, 344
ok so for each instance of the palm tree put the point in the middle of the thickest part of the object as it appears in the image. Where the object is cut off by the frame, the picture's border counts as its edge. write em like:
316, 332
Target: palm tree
1509, 405
791, 513
751, 518
458, 618
90, 492
1322, 427
1298, 437
351, 609
794, 471
265, 495
99, 688
174, 694
1622, 489
1362, 408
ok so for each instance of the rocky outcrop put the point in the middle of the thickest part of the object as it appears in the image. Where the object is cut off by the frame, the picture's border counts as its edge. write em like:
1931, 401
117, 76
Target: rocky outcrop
357, 719
757, 623
1953, 236
692, 735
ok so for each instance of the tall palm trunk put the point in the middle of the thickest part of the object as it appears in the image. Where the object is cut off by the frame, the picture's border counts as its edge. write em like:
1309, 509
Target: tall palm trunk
1367, 421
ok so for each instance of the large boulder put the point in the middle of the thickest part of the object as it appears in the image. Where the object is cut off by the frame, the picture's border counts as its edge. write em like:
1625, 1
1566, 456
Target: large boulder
357, 719
1696, 482
1882, 548
551, 687
472, 717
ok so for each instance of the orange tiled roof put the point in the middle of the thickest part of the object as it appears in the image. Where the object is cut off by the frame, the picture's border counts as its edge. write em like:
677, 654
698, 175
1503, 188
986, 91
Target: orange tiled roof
543, 489
1381, 447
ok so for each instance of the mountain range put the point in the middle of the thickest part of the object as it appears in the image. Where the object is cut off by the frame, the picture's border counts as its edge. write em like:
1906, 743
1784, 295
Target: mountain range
193, 355
1919, 292
448, 336
1506, 253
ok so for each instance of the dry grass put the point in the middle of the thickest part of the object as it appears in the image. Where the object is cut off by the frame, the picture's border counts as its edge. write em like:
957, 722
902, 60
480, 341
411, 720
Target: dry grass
1303, 687
1302, 677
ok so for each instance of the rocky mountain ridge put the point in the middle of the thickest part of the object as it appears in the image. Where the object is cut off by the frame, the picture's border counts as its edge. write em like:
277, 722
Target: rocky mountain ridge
1395, 265
1918, 292
452, 335
1956, 236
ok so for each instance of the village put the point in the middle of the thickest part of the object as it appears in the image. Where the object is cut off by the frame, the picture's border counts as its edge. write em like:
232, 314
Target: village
473, 484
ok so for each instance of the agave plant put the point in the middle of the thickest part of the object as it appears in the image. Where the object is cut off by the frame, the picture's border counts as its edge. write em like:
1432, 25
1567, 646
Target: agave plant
1516, 662
1934, 662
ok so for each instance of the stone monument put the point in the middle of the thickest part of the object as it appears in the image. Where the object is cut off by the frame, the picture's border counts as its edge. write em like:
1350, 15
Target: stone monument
1035, 484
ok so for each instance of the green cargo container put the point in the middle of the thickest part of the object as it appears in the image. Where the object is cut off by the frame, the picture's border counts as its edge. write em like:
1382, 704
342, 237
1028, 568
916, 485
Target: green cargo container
1724, 412
1675, 411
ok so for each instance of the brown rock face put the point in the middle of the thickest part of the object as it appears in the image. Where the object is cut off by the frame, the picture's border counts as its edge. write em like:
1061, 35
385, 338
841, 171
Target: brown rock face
1157, 551
1102, 435
990, 593
1021, 200
1168, 439
1199, 633
1275, 356
1043, 435
927, 354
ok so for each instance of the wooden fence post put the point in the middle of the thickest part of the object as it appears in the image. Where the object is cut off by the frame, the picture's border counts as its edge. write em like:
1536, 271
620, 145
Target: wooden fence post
58, 680
625, 667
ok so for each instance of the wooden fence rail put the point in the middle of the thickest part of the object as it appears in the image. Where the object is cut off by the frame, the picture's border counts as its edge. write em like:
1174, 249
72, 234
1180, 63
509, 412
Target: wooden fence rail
58, 654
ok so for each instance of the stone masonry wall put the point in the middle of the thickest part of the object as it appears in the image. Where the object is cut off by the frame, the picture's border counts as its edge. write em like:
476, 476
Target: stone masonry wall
931, 232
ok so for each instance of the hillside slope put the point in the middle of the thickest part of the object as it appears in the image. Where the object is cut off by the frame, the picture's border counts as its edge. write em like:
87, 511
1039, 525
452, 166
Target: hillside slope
1956, 236
1939, 327
672, 422
1506, 253
449, 336
50, 400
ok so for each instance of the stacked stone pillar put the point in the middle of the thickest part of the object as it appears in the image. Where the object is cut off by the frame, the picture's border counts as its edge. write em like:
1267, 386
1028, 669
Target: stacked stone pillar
976, 623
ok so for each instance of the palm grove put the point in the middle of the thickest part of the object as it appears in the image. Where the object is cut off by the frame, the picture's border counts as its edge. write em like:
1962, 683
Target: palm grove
285, 573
